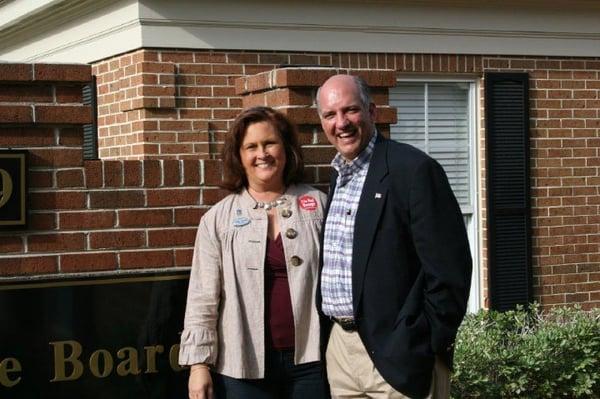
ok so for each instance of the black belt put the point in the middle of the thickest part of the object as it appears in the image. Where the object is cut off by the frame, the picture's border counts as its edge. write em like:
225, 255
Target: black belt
347, 323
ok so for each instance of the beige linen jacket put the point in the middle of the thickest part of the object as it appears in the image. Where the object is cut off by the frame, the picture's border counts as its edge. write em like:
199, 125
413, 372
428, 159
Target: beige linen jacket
224, 319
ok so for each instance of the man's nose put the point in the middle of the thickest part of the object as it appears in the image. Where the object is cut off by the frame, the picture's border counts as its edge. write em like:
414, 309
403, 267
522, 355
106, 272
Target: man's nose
341, 121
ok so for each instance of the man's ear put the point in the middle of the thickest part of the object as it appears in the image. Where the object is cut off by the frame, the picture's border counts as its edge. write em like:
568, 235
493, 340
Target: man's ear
373, 111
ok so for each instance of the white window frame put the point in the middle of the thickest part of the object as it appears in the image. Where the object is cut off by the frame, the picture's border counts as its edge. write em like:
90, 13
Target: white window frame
473, 230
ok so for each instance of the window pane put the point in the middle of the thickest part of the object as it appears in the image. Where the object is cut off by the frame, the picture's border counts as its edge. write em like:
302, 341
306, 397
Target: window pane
411, 123
434, 117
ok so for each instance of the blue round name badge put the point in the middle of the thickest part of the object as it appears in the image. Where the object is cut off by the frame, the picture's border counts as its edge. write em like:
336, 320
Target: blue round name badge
241, 221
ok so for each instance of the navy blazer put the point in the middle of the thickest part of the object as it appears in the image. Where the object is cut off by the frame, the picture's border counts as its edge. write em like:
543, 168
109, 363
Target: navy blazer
411, 265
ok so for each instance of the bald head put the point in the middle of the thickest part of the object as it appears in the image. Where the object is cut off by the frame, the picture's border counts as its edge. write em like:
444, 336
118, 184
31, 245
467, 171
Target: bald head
361, 87
347, 114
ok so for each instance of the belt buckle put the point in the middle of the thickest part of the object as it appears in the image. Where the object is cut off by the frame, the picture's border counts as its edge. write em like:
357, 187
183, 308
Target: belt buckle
347, 323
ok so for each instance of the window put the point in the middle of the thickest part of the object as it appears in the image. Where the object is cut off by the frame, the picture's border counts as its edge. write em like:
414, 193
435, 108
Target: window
439, 118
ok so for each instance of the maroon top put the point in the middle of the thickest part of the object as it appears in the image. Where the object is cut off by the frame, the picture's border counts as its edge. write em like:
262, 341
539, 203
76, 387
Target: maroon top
278, 310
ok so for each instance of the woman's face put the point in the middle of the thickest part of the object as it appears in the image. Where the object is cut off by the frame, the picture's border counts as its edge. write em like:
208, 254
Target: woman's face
263, 156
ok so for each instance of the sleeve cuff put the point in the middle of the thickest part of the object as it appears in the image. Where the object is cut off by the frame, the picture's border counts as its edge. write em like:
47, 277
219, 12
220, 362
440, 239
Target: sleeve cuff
198, 345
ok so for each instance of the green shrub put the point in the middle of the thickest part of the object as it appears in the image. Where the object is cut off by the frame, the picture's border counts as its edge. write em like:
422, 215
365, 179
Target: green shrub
528, 354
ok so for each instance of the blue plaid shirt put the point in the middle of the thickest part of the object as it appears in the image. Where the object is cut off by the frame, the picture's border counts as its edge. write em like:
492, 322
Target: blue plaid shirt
336, 277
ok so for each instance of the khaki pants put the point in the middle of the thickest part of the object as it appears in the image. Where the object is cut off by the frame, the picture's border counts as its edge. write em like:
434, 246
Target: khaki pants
351, 372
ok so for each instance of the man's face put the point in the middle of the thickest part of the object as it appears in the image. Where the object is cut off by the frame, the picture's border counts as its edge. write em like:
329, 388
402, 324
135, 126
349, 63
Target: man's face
347, 123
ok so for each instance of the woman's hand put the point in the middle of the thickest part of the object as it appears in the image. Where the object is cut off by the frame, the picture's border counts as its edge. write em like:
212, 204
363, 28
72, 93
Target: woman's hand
200, 385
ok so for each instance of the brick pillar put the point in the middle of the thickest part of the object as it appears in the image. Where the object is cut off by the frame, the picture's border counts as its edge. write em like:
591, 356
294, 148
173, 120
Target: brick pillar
142, 114
293, 90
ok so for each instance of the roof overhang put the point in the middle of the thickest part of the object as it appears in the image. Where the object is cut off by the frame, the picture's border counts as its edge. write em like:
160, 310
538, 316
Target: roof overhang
89, 30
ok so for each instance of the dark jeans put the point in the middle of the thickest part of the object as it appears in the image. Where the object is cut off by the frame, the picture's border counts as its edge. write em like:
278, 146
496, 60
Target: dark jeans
282, 380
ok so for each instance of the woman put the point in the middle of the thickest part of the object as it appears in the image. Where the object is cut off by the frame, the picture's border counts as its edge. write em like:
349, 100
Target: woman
251, 317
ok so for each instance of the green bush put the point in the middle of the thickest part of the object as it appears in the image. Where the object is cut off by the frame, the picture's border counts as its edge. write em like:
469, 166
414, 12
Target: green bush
528, 354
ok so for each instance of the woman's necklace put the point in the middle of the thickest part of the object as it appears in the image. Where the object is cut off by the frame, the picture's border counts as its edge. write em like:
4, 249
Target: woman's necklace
268, 205
271, 204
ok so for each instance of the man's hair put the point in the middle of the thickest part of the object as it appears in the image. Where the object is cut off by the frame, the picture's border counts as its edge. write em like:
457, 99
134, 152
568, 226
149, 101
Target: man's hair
363, 91
234, 176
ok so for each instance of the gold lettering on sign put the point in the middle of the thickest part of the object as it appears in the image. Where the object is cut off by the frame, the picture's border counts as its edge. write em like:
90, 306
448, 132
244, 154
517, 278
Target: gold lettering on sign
9, 365
60, 361
95, 363
6, 188
151, 352
174, 358
69, 366
131, 363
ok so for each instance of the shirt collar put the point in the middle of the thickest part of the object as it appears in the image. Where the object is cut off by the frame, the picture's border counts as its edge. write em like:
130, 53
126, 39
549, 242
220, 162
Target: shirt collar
358, 163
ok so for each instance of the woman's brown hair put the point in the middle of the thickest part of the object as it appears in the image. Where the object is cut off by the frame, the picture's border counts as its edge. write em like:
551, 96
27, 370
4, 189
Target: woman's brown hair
234, 175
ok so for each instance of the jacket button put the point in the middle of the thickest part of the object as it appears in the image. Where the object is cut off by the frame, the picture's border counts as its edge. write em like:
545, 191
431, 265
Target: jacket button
295, 260
286, 213
291, 233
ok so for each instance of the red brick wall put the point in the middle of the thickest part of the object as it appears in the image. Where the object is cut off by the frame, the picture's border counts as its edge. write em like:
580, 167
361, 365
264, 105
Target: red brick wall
177, 105
91, 215
564, 128
564, 137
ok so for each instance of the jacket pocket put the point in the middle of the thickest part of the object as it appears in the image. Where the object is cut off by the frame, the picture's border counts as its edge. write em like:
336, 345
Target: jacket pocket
410, 337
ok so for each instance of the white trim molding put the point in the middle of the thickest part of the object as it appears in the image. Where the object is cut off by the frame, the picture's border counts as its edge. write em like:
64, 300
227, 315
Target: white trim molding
87, 30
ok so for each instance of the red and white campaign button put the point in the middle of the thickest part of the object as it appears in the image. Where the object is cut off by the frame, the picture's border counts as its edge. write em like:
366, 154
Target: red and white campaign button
307, 203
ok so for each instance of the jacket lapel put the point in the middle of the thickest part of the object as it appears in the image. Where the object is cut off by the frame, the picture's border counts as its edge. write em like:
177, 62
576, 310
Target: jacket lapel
332, 182
372, 200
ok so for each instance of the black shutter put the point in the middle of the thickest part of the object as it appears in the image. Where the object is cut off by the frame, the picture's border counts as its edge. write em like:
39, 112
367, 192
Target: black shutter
90, 131
508, 205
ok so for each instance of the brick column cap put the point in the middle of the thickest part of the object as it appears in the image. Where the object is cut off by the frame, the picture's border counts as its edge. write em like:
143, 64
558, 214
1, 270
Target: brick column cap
309, 76
24, 72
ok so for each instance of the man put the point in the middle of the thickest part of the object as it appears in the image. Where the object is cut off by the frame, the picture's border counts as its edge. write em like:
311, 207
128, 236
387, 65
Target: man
396, 264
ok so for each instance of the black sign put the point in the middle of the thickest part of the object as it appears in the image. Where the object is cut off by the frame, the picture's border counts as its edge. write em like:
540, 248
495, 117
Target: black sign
13, 188
93, 338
